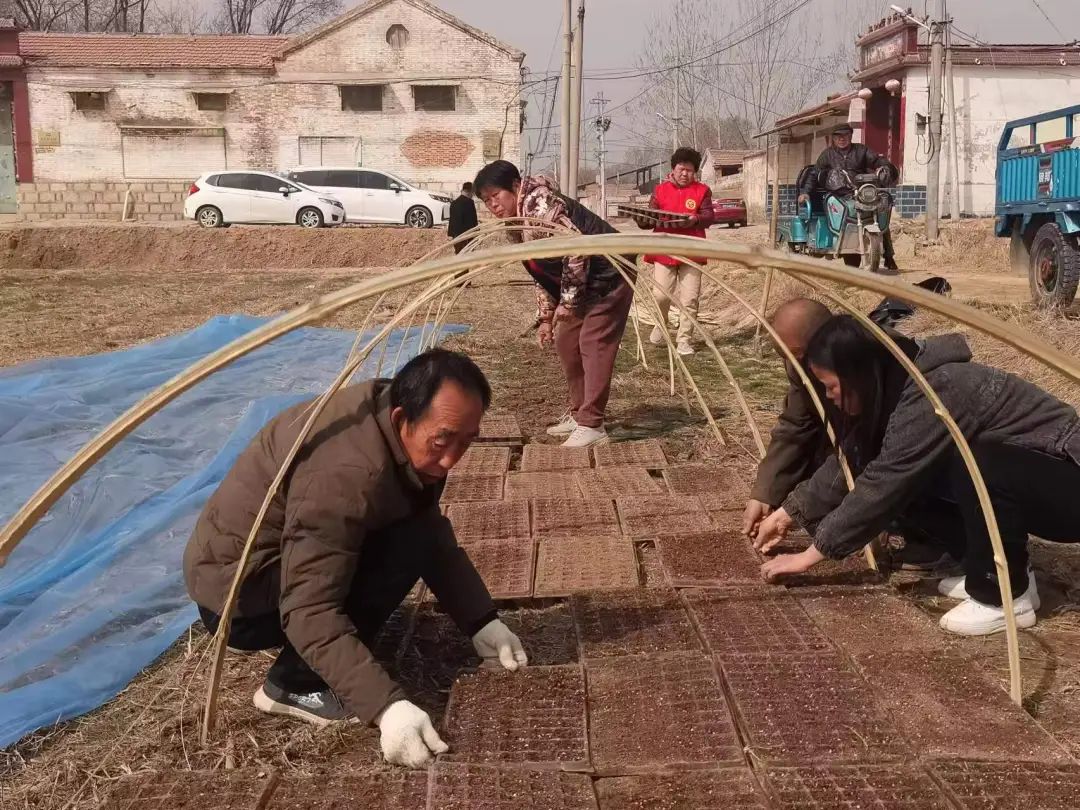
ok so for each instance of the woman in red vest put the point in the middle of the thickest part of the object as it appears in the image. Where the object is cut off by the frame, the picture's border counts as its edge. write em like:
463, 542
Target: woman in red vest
680, 193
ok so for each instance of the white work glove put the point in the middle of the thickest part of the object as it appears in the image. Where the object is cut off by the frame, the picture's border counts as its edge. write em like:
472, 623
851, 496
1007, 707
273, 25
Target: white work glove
495, 641
408, 738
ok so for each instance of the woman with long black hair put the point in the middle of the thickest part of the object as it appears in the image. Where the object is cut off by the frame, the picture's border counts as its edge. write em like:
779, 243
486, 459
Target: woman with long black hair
1026, 443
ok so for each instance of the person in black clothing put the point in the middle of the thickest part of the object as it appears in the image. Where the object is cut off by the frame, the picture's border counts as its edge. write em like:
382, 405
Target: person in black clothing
462, 216
856, 158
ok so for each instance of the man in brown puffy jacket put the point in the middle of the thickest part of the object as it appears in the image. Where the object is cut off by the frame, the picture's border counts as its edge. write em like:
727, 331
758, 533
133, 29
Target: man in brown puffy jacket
353, 527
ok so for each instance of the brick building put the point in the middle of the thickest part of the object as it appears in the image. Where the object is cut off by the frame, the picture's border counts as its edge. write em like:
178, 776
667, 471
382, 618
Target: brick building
398, 85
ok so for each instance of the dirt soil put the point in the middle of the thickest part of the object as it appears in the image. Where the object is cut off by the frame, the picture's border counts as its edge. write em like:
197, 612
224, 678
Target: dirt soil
88, 289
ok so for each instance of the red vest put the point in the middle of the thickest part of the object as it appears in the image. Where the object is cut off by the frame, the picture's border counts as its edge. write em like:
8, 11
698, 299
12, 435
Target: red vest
686, 200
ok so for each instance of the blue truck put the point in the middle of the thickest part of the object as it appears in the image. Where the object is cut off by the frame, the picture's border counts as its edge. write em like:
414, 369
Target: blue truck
1037, 202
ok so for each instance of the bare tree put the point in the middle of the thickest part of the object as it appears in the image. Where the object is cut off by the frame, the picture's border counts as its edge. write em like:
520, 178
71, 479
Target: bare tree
177, 17
45, 15
288, 16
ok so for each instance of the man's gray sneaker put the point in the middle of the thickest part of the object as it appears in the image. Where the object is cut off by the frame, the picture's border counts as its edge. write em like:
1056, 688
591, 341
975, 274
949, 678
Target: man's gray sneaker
320, 708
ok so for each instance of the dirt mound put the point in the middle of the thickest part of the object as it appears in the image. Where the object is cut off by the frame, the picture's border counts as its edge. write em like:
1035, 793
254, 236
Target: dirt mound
189, 247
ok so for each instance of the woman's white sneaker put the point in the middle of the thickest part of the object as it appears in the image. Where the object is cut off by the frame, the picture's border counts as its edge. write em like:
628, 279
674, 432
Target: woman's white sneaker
953, 588
564, 427
586, 436
971, 618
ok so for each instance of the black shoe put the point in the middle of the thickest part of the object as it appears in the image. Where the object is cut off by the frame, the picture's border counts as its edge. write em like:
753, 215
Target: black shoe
320, 708
922, 557
890, 264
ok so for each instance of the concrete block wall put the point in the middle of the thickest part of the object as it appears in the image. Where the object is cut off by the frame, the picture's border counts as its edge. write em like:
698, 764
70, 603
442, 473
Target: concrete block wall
159, 201
908, 201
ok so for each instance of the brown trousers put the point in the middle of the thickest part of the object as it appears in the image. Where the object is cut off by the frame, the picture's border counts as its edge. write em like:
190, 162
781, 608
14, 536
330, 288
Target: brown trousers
587, 343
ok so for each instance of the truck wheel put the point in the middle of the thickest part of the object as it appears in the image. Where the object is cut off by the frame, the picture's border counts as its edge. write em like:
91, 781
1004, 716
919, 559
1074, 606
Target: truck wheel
1054, 271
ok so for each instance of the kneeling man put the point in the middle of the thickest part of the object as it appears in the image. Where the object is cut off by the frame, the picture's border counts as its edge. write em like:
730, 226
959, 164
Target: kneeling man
353, 527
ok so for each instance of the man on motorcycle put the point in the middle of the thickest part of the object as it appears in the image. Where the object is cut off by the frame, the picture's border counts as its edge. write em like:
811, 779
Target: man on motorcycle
855, 158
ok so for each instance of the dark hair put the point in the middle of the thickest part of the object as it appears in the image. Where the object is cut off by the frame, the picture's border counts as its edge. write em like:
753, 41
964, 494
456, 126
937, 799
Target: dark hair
466, 186
500, 174
413, 388
863, 365
684, 154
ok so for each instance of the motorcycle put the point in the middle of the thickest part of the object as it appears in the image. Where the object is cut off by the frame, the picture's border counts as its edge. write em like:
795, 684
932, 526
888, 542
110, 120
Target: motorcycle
848, 220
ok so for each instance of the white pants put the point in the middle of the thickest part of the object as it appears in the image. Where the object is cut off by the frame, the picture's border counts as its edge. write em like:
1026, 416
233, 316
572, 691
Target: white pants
683, 283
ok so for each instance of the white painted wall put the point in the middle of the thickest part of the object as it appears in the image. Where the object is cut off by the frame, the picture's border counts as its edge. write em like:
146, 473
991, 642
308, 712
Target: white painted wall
986, 97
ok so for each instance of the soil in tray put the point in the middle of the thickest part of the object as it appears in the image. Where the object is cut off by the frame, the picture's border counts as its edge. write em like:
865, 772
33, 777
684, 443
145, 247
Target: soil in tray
490, 520
610, 482
566, 565
480, 460
437, 652
457, 786
731, 788
949, 708
557, 517
1012, 785
754, 622
653, 711
631, 622
499, 427
710, 558
859, 620
535, 716
506, 566
799, 707
188, 790
643, 453
554, 484
662, 514
540, 457
727, 489
396, 789
839, 787
463, 487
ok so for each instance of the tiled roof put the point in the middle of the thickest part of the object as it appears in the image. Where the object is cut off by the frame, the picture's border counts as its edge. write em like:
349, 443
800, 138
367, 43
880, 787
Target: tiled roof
726, 157
10, 60
149, 50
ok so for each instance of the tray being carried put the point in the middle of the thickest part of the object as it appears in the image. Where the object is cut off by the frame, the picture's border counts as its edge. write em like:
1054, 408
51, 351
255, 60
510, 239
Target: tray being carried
653, 216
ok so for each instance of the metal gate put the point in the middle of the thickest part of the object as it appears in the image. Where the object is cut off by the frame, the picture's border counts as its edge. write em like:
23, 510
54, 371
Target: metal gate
9, 202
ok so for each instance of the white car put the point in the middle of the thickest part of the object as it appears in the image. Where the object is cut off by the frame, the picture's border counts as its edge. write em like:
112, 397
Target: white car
218, 199
372, 196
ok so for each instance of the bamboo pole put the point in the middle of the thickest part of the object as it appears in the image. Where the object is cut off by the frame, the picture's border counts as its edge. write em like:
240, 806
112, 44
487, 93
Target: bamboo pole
221, 636
621, 243
819, 406
1000, 563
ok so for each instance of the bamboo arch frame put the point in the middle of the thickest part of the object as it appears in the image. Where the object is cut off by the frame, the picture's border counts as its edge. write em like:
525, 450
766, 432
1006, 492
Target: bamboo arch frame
475, 263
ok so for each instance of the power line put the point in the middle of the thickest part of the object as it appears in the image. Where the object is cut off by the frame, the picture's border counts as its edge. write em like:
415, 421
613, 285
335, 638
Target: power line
1047, 16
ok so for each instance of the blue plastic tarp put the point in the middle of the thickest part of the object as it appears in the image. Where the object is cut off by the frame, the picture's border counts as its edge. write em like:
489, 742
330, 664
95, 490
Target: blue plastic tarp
94, 593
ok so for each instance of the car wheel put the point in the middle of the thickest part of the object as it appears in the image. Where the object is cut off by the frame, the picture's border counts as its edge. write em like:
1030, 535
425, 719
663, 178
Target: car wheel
209, 217
309, 218
418, 217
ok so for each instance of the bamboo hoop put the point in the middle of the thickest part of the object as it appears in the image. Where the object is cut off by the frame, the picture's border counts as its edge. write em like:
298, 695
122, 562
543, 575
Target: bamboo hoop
764, 303
221, 636
819, 406
1000, 563
749, 256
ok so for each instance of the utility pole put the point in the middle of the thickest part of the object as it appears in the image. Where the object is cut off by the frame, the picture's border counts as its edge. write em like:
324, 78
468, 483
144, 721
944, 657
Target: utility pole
577, 79
564, 123
603, 124
933, 169
674, 124
954, 131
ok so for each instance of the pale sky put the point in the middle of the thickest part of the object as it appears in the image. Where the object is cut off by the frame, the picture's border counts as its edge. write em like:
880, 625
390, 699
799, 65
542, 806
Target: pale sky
615, 30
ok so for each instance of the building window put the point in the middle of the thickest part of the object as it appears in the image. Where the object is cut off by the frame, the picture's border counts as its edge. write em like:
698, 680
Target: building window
88, 100
362, 97
397, 36
211, 101
435, 97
